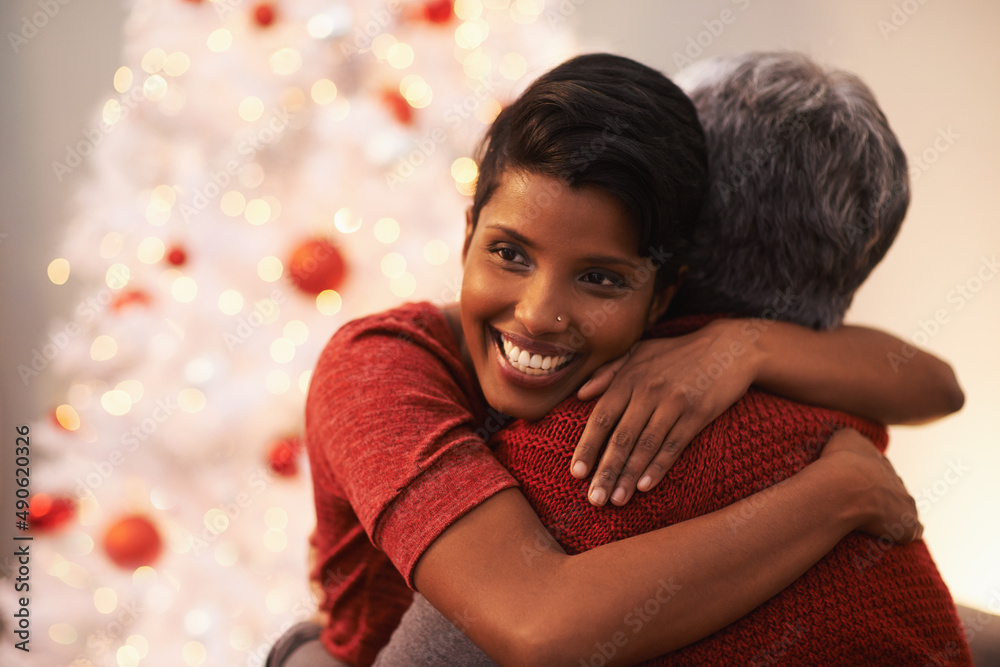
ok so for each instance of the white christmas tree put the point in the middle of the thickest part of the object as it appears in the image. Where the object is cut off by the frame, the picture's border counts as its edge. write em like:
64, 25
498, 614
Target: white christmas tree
262, 173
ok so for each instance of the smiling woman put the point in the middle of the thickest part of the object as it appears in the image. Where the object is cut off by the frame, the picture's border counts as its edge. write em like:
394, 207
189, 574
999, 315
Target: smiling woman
531, 281
588, 182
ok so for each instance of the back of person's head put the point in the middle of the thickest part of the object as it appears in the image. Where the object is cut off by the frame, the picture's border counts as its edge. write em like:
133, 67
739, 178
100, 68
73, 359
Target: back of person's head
808, 188
610, 122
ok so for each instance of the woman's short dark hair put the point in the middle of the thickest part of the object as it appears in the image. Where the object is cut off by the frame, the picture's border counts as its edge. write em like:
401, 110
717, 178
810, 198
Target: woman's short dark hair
808, 188
607, 121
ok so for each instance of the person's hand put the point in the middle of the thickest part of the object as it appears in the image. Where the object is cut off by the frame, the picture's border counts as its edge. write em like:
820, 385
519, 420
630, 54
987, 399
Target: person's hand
887, 509
656, 399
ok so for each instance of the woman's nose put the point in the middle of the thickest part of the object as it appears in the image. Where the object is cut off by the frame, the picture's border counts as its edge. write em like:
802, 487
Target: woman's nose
542, 307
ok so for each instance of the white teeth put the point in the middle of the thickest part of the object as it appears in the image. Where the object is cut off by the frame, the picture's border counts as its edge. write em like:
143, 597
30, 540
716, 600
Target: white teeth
531, 364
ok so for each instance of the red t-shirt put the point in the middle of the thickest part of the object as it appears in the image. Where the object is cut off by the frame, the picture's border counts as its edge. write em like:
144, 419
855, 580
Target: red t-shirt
395, 430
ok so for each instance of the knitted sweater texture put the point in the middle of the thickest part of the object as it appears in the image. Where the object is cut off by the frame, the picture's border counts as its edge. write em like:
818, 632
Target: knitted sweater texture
868, 602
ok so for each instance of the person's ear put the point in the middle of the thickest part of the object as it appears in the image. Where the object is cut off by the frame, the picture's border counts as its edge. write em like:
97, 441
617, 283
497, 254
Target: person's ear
468, 233
662, 299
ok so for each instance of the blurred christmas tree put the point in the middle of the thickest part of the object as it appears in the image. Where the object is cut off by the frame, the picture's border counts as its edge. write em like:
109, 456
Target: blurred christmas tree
262, 174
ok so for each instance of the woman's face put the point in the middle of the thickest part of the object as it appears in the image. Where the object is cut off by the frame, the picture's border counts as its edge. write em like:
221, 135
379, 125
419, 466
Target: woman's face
554, 287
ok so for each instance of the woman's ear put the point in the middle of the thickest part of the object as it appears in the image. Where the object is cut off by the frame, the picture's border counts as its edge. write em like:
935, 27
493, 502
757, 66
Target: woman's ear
663, 298
468, 233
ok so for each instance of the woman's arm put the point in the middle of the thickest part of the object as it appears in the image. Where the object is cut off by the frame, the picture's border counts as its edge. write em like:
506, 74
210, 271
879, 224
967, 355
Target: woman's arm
525, 602
858, 370
668, 389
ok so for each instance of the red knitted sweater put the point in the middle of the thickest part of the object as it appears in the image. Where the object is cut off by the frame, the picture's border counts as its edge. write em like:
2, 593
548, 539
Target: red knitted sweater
866, 603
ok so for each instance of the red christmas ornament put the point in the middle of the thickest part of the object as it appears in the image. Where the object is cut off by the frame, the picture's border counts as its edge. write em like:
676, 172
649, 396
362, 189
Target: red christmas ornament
282, 456
439, 11
316, 265
132, 541
47, 513
264, 14
399, 107
177, 256
135, 297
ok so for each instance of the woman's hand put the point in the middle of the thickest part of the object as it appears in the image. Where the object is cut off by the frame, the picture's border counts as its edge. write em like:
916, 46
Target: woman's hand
656, 399
887, 509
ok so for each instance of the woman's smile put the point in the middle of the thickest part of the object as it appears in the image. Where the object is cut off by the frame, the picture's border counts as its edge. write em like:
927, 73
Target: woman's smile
532, 363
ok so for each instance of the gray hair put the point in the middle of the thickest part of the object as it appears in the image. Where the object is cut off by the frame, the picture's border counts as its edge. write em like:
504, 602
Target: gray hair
808, 188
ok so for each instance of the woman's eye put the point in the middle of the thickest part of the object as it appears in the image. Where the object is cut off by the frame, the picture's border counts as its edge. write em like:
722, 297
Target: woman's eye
604, 280
508, 254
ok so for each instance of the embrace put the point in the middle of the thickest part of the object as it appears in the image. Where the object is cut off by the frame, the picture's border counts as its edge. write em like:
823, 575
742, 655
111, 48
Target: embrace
643, 434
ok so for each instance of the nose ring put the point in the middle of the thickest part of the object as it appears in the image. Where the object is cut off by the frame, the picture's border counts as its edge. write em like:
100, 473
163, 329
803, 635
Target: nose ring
558, 318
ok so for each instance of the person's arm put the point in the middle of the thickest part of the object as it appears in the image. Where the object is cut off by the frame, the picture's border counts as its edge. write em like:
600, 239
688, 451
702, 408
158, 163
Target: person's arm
863, 371
659, 397
527, 603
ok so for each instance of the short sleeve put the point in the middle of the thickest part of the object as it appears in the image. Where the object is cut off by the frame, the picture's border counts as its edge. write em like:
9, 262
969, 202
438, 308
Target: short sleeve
391, 411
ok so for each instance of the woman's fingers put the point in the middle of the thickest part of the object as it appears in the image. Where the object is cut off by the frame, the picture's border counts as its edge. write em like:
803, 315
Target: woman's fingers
611, 472
679, 435
647, 448
599, 426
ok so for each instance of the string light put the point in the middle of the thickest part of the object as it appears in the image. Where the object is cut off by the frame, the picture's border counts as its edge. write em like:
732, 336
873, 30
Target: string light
58, 271
436, 252
393, 265
123, 79
386, 230
220, 40
176, 63
346, 221
323, 92
152, 62
269, 269
328, 302
67, 417
403, 285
